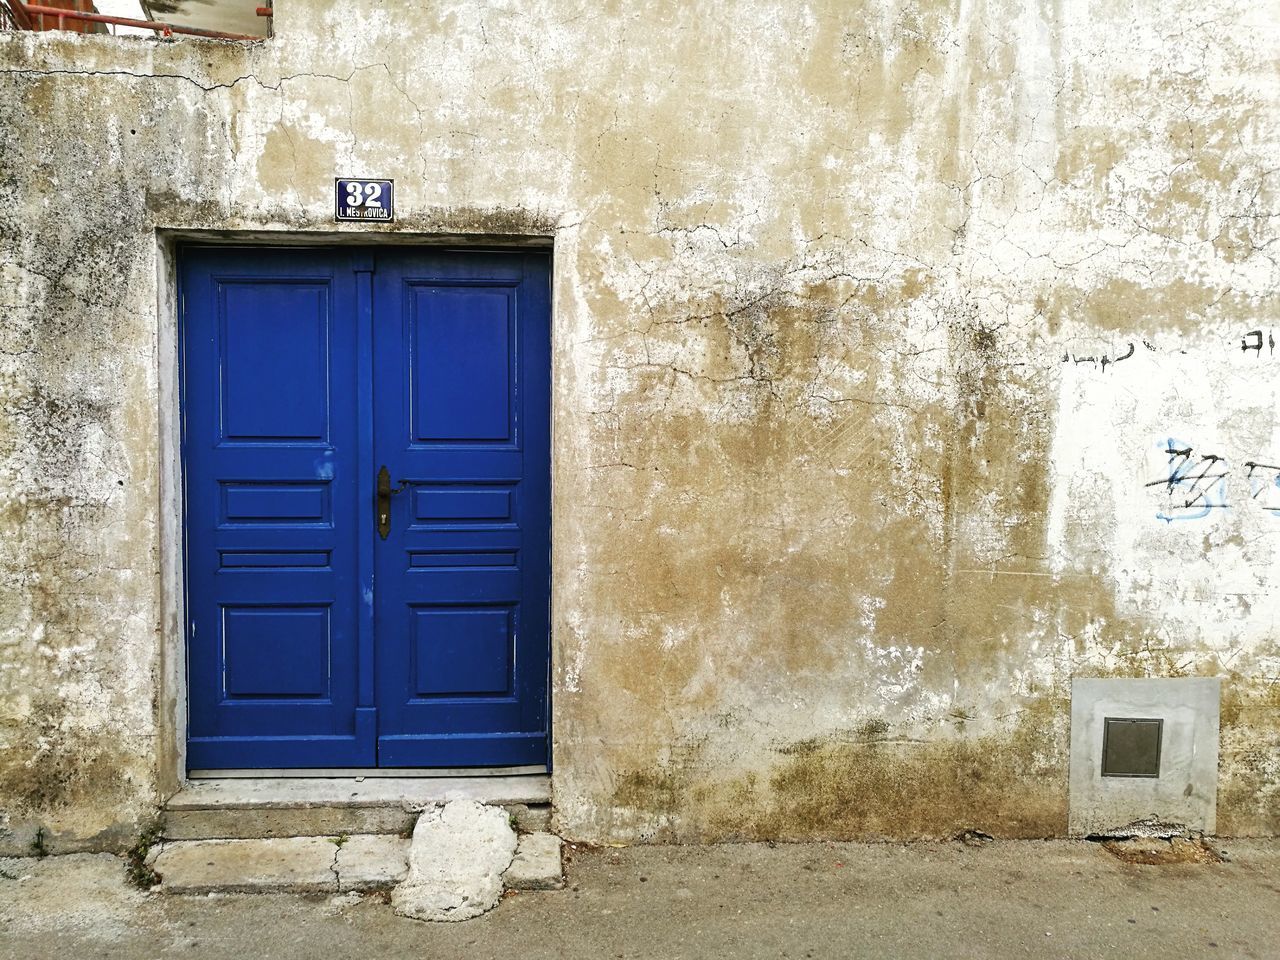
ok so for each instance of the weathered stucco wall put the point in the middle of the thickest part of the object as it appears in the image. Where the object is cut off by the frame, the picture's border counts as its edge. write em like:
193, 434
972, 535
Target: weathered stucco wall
870, 321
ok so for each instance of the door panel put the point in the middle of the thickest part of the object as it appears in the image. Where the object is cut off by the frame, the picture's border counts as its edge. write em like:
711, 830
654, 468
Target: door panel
269, 377
461, 370
462, 353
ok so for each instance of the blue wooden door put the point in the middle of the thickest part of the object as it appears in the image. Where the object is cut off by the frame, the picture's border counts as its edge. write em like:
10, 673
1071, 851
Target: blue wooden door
325, 630
462, 350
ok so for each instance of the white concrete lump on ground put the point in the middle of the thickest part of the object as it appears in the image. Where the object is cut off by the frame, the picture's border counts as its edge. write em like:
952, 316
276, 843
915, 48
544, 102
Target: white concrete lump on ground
457, 857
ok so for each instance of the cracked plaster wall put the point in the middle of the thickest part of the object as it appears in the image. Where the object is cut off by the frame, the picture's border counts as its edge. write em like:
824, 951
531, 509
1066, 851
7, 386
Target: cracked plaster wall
871, 320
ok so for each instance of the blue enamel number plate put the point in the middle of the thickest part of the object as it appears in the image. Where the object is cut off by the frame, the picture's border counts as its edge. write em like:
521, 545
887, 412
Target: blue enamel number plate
364, 200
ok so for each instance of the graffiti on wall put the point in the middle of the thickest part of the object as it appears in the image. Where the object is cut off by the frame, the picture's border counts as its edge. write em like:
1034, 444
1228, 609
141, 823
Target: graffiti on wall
1101, 359
1253, 341
1195, 483
1260, 343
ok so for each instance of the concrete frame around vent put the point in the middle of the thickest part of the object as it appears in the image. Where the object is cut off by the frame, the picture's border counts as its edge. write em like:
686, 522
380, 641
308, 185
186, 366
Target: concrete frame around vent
1184, 795
171, 700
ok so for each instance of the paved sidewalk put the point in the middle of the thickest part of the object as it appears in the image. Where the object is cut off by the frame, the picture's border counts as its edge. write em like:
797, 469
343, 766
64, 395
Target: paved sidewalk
941, 901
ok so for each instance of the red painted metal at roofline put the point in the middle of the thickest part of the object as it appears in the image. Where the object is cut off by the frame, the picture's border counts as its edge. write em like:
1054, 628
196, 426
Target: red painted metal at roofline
55, 19
80, 16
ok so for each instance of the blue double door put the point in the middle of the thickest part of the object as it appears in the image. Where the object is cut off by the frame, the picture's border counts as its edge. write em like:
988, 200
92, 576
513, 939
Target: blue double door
367, 506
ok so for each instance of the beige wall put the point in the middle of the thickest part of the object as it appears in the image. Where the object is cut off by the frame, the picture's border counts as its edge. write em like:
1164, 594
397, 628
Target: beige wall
839, 507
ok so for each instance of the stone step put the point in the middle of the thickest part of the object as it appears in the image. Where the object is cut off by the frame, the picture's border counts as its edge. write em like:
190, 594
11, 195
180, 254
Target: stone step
281, 865
537, 865
279, 807
345, 864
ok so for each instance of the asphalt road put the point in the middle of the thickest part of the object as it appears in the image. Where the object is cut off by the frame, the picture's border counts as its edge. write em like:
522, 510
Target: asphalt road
926, 900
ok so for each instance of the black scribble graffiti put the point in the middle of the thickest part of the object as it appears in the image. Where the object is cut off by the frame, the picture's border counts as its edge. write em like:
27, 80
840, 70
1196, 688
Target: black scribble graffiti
1253, 341
1102, 360
1124, 356
1263, 478
1194, 484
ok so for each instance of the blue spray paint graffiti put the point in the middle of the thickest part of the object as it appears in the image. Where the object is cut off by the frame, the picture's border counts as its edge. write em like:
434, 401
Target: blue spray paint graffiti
1195, 484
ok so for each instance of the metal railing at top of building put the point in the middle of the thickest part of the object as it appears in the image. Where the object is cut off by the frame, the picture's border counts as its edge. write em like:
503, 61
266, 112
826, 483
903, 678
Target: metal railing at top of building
17, 15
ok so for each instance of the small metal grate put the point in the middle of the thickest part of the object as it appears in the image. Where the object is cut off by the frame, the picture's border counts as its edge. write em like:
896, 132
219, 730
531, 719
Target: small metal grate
1131, 747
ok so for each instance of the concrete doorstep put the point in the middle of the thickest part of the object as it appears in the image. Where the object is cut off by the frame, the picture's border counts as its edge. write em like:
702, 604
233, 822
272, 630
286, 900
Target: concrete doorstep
281, 865
245, 809
462, 857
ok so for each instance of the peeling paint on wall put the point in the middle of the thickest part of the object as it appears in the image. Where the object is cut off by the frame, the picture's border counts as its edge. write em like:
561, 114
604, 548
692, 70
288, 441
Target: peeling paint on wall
870, 321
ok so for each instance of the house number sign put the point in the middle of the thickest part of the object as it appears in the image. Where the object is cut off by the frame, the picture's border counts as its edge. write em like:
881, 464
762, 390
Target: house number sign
364, 200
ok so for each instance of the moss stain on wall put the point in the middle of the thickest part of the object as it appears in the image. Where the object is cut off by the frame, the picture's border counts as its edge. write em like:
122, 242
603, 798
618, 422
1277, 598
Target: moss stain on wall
844, 494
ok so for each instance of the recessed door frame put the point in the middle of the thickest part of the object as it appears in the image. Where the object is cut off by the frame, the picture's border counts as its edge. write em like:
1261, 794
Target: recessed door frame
171, 749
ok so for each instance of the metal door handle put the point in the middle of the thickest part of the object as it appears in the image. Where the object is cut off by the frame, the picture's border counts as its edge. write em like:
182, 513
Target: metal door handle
385, 493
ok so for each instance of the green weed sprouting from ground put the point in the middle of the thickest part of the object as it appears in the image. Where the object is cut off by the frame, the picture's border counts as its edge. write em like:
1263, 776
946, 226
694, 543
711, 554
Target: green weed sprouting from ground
137, 870
339, 840
39, 848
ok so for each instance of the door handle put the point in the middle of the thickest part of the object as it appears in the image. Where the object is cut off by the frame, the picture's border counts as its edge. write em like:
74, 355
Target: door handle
385, 493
